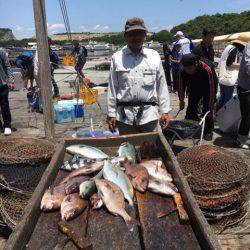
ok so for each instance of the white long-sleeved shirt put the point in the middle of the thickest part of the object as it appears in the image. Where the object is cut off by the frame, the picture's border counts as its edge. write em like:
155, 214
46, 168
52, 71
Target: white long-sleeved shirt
137, 78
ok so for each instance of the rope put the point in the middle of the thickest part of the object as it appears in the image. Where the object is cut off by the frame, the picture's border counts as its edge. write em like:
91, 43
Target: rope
65, 17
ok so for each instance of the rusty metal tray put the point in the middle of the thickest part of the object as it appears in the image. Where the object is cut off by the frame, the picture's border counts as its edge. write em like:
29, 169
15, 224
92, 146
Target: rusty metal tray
38, 230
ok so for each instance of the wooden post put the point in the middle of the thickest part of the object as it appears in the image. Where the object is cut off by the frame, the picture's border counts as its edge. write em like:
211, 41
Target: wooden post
44, 75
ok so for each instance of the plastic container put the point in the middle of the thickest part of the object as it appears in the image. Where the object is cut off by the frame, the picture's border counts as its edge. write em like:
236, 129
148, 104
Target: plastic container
89, 96
79, 109
69, 61
64, 113
229, 116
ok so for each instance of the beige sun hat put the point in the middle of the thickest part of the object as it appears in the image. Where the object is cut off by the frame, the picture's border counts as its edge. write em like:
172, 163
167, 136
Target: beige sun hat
242, 39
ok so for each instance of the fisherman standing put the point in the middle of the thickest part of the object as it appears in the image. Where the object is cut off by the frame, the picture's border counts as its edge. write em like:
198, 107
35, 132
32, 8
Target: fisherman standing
186, 44
137, 86
79, 52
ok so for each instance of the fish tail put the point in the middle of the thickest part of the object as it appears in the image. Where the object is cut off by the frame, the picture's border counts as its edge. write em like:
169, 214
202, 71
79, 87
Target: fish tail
131, 222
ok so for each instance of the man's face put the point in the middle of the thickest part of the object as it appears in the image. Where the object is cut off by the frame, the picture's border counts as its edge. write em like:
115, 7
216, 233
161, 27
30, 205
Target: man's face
208, 39
190, 70
135, 38
178, 48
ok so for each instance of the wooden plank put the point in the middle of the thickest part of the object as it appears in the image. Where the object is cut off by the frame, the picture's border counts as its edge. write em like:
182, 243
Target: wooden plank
166, 232
107, 231
199, 224
24, 229
44, 75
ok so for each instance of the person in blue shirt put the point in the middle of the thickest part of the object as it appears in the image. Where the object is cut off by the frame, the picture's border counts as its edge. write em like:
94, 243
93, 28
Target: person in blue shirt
175, 59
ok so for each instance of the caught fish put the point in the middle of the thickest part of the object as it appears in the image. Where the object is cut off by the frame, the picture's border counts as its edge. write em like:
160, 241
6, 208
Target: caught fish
78, 162
156, 170
52, 198
162, 187
88, 188
85, 170
138, 175
113, 198
112, 172
87, 151
127, 150
95, 201
72, 185
72, 206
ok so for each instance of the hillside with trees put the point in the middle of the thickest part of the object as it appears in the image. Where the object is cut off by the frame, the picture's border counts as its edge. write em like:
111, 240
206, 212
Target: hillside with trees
222, 24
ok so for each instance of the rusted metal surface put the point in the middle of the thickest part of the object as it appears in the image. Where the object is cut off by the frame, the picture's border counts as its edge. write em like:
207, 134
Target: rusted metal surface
168, 231
106, 231
25, 150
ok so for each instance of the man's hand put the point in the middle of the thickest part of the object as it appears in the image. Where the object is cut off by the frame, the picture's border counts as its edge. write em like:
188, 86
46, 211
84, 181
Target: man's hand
11, 85
182, 105
165, 119
112, 123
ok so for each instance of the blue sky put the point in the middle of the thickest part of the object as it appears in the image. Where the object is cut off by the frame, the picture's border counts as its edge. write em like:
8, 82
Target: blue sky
110, 15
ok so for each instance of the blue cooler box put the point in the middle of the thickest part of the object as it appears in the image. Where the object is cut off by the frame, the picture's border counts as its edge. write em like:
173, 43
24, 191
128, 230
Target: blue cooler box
64, 113
79, 109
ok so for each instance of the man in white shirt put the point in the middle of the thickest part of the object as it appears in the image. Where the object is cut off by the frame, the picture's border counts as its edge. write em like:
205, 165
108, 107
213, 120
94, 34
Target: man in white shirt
137, 85
186, 44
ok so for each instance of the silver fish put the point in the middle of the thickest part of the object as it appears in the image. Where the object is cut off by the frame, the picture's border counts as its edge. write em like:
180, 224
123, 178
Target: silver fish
87, 151
127, 150
90, 165
88, 188
156, 170
162, 187
84, 171
112, 172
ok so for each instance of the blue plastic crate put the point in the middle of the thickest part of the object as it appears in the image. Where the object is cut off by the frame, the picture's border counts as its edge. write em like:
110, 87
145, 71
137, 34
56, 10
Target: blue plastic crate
79, 111
64, 113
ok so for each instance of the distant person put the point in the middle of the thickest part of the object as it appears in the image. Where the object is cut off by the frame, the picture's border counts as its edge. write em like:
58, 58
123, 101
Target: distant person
167, 65
54, 63
229, 67
186, 44
199, 80
175, 60
80, 53
6, 84
138, 94
25, 62
244, 97
205, 48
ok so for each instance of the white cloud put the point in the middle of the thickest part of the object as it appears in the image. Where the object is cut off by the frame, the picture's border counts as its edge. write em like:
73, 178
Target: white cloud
100, 27
83, 28
55, 28
23, 32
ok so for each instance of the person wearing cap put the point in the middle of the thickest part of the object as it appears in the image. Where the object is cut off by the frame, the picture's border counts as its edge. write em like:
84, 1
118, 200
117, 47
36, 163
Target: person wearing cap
175, 60
205, 48
229, 67
199, 80
244, 97
186, 44
137, 85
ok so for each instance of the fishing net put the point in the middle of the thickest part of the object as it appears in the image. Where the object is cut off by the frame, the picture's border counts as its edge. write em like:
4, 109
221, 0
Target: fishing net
17, 183
25, 151
218, 179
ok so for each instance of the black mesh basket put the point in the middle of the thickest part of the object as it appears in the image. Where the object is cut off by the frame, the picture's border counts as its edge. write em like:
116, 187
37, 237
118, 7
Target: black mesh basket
182, 129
